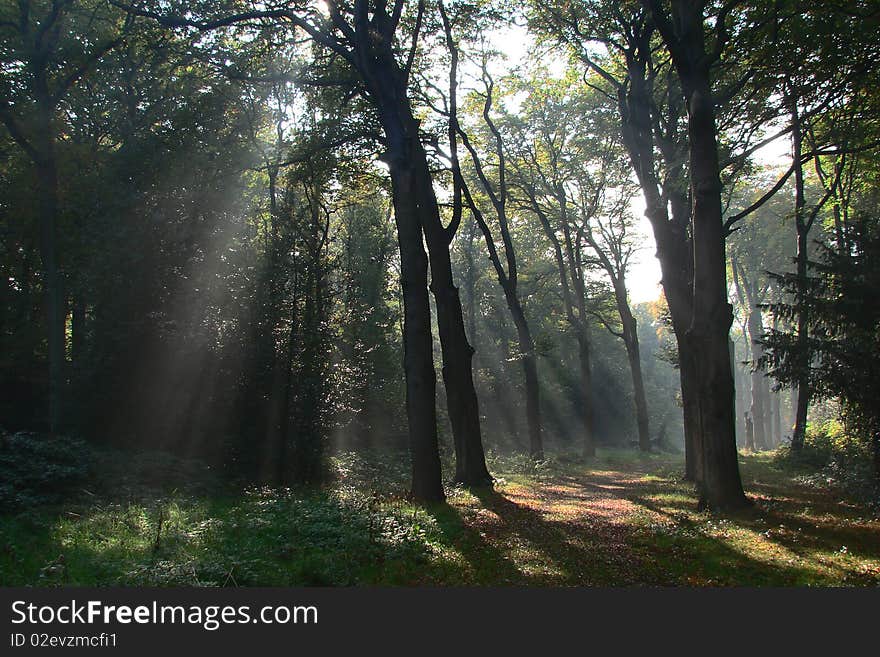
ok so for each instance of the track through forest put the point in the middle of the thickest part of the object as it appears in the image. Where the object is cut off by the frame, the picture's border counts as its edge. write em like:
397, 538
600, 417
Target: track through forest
631, 523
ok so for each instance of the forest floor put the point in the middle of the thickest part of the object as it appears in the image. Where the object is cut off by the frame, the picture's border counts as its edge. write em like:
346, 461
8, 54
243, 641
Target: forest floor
619, 520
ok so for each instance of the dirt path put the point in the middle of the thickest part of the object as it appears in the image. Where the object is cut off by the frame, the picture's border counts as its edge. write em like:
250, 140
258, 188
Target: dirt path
637, 525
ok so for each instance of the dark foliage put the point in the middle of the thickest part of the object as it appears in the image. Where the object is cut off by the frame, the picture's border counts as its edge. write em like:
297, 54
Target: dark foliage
842, 354
38, 470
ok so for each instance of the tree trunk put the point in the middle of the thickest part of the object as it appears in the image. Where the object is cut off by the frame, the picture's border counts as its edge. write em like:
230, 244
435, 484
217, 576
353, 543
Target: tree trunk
417, 341
693, 466
47, 193
641, 403
633, 353
740, 400
503, 402
712, 314
776, 405
586, 380
803, 383
682, 27
674, 247
530, 372
776, 401
803, 228
758, 407
421, 381
674, 253
461, 395
470, 282
386, 82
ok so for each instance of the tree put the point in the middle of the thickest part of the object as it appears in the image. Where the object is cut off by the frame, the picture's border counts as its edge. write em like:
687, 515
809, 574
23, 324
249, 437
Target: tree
683, 32
756, 247
608, 233
842, 349
547, 168
365, 36
497, 193
44, 57
819, 77
648, 102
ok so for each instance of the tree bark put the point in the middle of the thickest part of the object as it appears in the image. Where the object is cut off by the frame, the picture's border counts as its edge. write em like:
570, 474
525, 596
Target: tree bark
416, 210
803, 383
411, 178
586, 381
674, 247
740, 400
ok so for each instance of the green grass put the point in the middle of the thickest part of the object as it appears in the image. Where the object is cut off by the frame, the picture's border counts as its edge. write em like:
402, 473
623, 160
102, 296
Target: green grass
622, 519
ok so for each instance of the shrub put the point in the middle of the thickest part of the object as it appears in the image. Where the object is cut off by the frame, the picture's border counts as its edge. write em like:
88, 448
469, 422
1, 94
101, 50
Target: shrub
836, 457
35, 469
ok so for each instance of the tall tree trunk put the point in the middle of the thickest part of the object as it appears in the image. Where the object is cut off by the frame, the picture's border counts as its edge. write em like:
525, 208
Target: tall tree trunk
418, 357
530, 373
418, 347
674, 246
47, 195
407, 165
803, 383
674, 252
586, 381
759, 409
411, 178
470, 281
766, 417
461, 394
776, 399
740, 400
693, 467
503, 401
633, 353
683, 31
712, 314
803, 227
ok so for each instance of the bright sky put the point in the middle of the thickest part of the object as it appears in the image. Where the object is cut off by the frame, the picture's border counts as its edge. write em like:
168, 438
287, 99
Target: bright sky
644, 274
